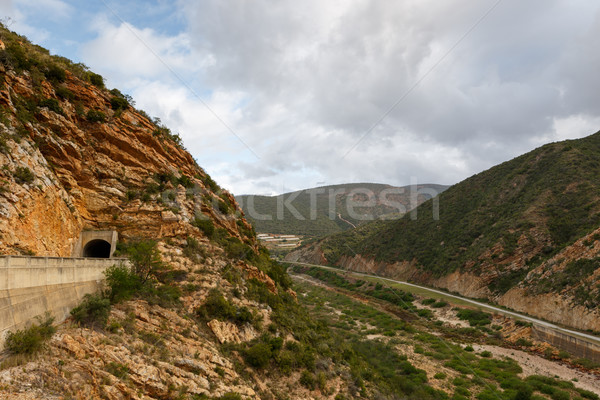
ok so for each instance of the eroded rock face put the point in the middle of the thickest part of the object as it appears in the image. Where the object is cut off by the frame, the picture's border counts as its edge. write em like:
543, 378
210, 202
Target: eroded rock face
87, 175
229, 332
61, 173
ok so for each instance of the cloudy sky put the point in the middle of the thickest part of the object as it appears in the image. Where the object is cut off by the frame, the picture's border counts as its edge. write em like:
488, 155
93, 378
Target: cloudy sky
272, 96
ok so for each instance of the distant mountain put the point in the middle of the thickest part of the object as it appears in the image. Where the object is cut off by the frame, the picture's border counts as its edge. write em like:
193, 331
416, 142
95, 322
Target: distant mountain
522, 230
326, 210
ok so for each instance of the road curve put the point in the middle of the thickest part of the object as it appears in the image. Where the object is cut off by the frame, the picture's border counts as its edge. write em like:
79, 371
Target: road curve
536, 321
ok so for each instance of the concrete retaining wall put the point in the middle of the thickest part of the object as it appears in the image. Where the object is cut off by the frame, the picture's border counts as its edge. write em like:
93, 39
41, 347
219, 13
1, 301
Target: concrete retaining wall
31, 286
576, 346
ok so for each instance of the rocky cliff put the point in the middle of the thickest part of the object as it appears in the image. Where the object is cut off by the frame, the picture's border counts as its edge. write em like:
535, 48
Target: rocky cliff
76, 156
71, 161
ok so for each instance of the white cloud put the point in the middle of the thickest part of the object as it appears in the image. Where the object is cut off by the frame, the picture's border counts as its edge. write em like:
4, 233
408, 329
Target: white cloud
127, 52
300, 83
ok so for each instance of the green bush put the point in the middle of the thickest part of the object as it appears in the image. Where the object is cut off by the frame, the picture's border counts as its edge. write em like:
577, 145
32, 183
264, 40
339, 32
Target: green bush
54, 73
163, 295
475, 317
118, 103
23, 175
258, 355
524, 342
30, 340
119, 370
308, 380
145, 259
64, 93
205, 225
95, 116
193, 250
587, 394
96, 80
52, 105
122, 282
217, 306
560, 395
223, 207
230, 396
93, 311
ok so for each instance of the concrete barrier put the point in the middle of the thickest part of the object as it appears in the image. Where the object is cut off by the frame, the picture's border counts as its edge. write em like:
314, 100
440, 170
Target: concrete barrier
574, 345
32, 286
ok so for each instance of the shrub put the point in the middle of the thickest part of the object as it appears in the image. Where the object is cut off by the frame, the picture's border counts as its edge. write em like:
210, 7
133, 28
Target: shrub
118, 103
224, 207
3, 144
95, 116
560, 395
162, 295
117, 369
587, 394
30, 340
205, 225
193, 250
439, 304
475, 317
144, 258
122, 283
93, 311
52, 105
308, 380
523, 342
54, 73
258, 355
217, 306
96, 80
23, 175
64, 93
230, 396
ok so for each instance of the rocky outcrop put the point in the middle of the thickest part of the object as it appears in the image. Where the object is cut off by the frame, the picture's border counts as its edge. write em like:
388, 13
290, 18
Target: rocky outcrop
229, 332
62, 172
70, 160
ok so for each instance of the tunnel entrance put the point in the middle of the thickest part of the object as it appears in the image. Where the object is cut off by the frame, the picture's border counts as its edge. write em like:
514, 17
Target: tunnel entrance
97, 248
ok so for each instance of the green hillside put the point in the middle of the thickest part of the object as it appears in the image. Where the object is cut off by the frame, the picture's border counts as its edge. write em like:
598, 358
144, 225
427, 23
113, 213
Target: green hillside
509, 218
329, 209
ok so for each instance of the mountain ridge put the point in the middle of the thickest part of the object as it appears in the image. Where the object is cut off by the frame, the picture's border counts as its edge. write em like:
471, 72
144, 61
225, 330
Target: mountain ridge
328, 209
496, 232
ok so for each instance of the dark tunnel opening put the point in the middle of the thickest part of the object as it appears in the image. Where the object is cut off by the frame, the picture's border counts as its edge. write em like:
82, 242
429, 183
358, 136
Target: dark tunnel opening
97, 248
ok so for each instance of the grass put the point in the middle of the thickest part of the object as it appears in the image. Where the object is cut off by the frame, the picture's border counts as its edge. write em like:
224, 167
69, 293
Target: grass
480, 375
31, 340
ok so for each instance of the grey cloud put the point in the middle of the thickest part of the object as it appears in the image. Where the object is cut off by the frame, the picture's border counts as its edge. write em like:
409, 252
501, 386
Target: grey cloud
315, 76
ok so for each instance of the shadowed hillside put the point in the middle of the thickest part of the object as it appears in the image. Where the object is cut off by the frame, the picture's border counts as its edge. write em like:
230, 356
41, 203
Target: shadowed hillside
326, 210
524, 223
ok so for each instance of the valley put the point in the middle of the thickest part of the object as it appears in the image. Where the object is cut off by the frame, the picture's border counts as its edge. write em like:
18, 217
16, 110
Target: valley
129, 273
437, 335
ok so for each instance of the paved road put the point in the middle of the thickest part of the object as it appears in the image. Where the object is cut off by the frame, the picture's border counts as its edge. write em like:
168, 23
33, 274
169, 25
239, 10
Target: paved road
569, 332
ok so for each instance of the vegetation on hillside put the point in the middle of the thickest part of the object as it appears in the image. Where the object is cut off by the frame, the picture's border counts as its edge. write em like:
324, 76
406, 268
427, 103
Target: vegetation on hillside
36, 63
314, 212
461, 371
526, 209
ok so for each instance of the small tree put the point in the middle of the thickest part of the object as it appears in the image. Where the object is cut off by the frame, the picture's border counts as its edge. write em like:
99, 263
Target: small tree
145, 259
